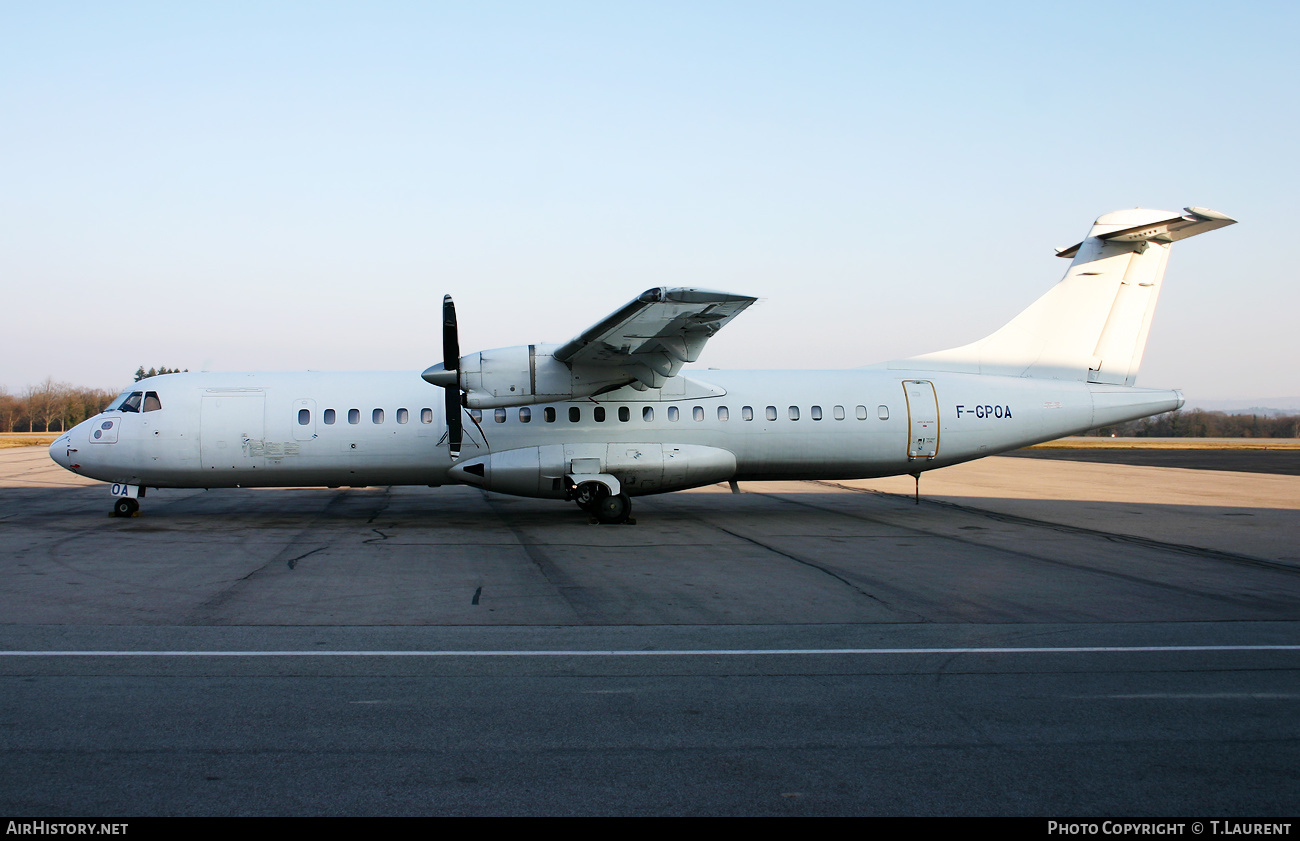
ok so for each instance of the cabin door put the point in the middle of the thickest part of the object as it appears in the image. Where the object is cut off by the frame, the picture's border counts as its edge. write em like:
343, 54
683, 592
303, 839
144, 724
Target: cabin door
922, 419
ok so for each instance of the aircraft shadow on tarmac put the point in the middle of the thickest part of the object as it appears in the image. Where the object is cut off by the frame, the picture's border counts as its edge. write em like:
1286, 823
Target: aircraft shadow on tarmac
459, 556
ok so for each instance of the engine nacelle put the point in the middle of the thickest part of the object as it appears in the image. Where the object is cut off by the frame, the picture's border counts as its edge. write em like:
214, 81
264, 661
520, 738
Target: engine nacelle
518, 376
640, 469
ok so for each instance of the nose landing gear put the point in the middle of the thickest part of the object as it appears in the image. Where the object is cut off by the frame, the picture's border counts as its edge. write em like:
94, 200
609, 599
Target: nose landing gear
125, 507
126, 502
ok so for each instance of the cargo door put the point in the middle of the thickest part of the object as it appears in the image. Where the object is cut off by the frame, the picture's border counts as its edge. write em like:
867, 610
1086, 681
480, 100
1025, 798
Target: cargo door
232, 429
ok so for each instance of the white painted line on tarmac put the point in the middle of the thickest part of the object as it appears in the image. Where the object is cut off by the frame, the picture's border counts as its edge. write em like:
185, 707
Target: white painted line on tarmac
691, 652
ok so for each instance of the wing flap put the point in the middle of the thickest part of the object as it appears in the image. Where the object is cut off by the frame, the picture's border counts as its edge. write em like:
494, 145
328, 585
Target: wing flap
653, 336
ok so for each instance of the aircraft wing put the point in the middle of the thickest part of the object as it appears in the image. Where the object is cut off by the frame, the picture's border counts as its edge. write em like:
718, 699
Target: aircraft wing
650, 338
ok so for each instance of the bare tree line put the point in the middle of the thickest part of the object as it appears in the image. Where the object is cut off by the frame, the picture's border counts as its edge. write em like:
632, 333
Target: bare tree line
1201, 424
50, 407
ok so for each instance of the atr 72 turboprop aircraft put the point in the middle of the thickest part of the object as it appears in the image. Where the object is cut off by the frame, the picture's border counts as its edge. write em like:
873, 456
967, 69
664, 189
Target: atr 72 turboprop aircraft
609, 415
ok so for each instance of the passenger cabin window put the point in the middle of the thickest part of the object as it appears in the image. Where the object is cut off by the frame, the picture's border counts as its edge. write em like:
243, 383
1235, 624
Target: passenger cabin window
377, 416
862, 412
816, 413
499, 415
673, 414
329, 417
794, 413
771, 413
132, 403
747, 413
839, 413
151, 401
575, 414
599, 414
525, 415
354, 416
426, 416
722, 413
882, 412
304, 417
549, 414
624, 414
477, 415
648, 413
403, 416
698, 413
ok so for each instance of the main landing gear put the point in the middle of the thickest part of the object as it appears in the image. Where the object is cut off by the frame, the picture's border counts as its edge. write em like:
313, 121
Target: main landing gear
607, 508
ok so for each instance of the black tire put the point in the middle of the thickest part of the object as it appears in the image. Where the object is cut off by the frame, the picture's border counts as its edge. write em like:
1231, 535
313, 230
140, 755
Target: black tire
614, 509
125, 507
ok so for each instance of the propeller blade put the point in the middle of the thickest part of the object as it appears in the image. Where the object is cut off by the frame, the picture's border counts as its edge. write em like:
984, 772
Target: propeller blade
451, 363
450, 335
455, 429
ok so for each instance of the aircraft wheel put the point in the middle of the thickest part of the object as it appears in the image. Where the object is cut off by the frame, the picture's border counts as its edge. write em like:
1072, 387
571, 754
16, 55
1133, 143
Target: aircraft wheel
125, 507
588, 494
614, 509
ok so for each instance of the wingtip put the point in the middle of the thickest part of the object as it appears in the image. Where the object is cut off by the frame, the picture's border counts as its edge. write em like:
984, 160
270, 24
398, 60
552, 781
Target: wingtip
1212, 215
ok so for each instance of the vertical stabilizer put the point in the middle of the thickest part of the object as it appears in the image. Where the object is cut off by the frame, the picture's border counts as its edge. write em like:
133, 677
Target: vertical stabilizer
1093, 324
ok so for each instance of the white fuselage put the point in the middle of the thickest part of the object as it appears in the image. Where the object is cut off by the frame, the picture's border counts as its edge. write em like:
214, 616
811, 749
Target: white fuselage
357, 429
544, 424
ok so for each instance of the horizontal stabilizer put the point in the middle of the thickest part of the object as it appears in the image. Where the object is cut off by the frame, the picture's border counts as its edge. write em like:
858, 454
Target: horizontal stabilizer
1196, 220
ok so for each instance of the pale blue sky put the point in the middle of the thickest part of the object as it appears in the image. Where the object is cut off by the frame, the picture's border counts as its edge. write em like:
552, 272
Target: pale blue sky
289, 186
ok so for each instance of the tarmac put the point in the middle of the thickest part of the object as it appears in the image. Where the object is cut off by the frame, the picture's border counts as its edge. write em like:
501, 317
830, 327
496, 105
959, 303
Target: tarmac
1284, 461
1037, 636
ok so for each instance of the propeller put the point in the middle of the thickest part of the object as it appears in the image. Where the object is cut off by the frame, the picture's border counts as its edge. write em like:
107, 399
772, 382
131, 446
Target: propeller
447, 375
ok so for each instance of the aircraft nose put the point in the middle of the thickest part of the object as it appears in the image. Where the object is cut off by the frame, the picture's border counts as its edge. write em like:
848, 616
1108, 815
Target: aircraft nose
64, 451
59, 451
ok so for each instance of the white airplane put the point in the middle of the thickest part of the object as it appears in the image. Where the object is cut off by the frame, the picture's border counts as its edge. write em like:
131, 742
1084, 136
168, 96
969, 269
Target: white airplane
610, 415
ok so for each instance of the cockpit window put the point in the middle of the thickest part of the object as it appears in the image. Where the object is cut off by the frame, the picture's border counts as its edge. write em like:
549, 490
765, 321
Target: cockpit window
132, 403
151, 401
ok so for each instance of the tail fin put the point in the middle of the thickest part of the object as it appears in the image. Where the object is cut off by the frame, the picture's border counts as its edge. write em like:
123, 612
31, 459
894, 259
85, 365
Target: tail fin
1093, 324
